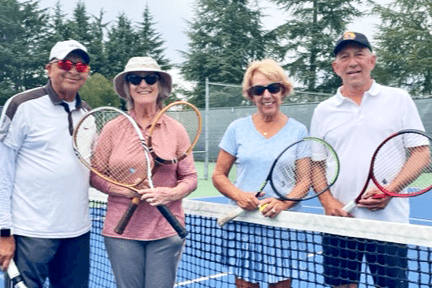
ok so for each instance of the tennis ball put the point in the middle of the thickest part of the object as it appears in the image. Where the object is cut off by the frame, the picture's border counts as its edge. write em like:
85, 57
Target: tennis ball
261, 207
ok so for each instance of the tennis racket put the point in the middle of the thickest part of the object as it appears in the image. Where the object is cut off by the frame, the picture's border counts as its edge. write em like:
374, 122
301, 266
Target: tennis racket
109, 142
302, 171
400, 166
15, 276
188, 118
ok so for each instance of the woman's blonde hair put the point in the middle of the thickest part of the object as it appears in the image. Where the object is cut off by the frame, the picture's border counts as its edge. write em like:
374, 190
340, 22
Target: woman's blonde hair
270, 69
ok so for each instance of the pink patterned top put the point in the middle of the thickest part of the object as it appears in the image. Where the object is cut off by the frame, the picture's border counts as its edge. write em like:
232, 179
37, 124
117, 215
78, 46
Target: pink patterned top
147, 223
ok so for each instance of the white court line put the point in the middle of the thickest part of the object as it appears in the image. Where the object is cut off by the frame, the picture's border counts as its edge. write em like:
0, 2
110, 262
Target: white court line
224, 274
202, 279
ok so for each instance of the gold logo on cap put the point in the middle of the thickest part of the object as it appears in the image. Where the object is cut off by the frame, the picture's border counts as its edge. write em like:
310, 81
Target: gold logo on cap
349, 36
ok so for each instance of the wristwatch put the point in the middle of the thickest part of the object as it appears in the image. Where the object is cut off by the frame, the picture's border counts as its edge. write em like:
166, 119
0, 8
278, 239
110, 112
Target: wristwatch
5, 232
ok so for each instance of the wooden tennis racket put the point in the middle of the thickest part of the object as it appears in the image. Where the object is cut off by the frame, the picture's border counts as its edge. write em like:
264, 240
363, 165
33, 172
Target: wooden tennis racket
109, 142
400, 166
188, 119
302, 171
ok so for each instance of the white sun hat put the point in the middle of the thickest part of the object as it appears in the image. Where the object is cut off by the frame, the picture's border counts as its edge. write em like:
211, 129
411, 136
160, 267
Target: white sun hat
141, 64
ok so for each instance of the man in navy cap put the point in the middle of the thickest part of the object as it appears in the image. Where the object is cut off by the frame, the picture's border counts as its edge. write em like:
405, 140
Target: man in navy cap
355, 121
44, 213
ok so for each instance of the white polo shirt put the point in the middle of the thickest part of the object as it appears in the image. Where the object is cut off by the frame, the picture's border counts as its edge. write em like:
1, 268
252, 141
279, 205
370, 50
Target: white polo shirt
355, 131
48, 191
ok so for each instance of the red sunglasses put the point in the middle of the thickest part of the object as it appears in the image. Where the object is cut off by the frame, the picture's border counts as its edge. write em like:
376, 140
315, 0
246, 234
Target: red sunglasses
67, 65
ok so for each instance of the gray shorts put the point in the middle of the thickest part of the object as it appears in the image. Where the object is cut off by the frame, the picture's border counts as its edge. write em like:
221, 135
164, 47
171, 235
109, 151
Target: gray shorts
145, 263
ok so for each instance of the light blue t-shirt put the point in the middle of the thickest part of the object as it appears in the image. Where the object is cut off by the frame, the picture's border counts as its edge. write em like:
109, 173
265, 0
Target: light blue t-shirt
255, 154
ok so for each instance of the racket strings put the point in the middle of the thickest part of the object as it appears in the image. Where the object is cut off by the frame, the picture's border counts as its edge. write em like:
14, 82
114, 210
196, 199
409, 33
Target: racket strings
188, 121
304, 170
402, 165
111, 147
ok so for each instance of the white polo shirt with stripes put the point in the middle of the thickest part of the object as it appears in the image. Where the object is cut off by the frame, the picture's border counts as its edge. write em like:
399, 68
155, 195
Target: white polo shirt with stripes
44, 191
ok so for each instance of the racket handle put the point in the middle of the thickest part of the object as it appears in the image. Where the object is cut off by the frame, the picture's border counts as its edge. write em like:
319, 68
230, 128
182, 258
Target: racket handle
172, 220
350, 206
181, 231
379, 196
124, 221
228, 217
14, 276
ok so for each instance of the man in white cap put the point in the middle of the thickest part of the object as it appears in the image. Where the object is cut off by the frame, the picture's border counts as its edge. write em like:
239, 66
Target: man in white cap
44, 213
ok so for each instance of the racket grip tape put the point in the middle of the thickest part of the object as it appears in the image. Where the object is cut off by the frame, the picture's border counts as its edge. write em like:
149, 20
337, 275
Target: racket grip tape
350, 206
181, 231
15, 276
228, 217
124, 221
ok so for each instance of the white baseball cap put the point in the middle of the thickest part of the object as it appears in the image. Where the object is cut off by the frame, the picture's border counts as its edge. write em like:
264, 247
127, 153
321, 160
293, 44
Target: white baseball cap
63, 48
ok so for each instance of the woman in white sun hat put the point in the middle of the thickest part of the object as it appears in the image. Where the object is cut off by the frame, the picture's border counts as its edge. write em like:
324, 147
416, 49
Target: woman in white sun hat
147, 253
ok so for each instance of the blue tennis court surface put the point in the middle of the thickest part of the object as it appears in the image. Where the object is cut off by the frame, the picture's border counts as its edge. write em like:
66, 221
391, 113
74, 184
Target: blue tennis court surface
206, 277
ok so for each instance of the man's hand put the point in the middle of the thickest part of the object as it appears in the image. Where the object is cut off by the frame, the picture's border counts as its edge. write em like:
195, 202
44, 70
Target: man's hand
7, 251
373, 204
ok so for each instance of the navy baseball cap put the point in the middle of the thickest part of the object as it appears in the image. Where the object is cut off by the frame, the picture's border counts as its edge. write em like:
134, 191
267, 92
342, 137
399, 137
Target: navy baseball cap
351, 37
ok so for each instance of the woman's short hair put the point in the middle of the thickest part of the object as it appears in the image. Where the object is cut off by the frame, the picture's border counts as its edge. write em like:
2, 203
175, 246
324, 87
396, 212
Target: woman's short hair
270, 69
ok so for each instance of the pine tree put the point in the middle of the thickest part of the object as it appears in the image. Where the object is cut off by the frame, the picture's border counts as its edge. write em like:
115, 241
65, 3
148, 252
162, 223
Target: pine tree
307, 39
120, 47
23, 34
59, 29
151, 42
80, 24
225, 36
96, 46
404, 41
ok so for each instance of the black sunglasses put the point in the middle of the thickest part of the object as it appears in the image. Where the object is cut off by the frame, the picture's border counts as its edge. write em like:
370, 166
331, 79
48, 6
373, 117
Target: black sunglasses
136, 79
258, 90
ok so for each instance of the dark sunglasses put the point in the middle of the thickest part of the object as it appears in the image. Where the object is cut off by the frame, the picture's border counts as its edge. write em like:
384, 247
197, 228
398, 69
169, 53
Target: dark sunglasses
136, 79
67, 65
258, 90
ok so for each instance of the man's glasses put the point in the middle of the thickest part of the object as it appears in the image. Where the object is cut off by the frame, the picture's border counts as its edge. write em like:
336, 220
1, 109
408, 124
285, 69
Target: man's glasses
136, 79
67, 65
258, 90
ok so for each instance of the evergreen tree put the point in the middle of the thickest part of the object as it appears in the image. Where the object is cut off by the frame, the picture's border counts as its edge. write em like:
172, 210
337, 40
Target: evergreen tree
150, 42
404, 40
23, 35
96, 46
59, 29
225, 36
306, 40
80, 24
120, 47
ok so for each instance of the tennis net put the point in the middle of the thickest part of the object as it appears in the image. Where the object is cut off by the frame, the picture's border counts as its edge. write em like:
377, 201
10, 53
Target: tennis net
289, 246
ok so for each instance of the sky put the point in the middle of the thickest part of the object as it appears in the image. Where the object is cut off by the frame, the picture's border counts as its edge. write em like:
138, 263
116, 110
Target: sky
170, 18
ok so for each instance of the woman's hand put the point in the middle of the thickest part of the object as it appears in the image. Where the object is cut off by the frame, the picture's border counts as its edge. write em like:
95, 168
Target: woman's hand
247, 201
271, 207
157, 196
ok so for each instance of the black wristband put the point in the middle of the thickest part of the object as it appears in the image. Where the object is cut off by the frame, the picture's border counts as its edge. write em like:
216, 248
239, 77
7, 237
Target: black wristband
5, 232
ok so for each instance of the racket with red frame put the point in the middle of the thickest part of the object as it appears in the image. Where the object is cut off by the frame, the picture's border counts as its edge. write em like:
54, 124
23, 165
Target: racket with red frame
109, 142
188, 120
400, 167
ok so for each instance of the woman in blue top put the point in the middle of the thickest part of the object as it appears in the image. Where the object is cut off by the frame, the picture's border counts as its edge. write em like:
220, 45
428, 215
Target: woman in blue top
253, 142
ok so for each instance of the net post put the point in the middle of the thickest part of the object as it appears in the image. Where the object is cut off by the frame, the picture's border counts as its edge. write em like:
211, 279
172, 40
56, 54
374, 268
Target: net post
206, 126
